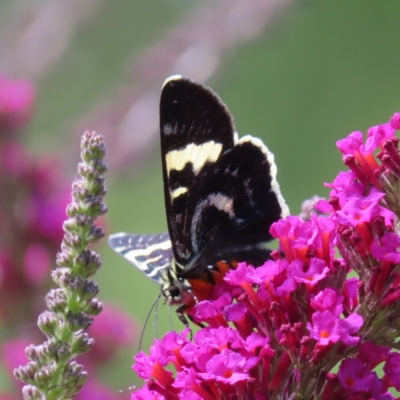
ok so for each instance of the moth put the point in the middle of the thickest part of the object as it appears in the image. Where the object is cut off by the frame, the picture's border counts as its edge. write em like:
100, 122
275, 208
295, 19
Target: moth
221, 198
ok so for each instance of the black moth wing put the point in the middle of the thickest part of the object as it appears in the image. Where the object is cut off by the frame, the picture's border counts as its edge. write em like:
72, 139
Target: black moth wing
241, 200
195, 128
151, 254
221, 194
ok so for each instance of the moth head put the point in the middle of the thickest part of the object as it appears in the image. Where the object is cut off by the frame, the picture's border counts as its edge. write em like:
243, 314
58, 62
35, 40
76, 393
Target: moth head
177, 291
174, 294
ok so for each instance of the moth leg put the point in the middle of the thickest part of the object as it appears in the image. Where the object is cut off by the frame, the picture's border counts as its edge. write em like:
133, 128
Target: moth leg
181, 313
199, 324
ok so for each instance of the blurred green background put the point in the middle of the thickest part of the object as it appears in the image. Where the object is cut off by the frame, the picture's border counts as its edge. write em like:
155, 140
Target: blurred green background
316, 71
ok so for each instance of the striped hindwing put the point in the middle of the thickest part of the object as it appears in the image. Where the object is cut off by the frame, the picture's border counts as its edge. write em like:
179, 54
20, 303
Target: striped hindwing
151, 254
221, 193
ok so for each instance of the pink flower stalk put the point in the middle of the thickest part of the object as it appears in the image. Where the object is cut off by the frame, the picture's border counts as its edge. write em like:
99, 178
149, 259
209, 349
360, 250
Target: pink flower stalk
32, 213
277, 331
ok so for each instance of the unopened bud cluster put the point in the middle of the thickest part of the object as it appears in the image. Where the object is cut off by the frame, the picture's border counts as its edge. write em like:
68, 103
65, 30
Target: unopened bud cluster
52, 372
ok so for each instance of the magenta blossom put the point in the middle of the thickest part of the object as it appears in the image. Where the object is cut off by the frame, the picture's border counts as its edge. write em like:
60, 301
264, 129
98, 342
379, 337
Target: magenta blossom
328, 300
392, 370
37, 263
16, 103
358, 378
388, 249
13, 354
278, 330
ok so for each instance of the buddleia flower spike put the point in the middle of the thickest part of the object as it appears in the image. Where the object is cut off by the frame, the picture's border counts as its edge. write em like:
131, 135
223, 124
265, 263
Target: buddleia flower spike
52, 372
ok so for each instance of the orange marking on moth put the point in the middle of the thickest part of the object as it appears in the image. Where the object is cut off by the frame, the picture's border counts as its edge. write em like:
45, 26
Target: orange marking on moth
201, 289
223, 268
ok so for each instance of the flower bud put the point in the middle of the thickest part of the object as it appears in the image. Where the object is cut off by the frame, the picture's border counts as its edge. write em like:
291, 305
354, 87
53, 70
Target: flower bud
81, 343
27, 372
48, 322
32, 393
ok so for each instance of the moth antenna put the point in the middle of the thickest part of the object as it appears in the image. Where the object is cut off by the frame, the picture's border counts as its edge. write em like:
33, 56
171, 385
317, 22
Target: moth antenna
147, 320
155, 322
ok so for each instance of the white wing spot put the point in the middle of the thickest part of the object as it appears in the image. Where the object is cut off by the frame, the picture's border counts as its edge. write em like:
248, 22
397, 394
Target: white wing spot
218, 200
222, 202
178, 192
197, 155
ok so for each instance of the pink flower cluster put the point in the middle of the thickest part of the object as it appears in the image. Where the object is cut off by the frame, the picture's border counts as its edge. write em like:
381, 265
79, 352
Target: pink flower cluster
329, 297
32, 210
17, 98
33, 199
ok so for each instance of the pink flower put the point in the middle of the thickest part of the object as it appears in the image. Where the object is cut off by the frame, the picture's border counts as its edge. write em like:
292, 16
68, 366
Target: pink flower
352, 144
392, 370
146, 394
13, 354
239, 275
229, 367
348, 327
357, 211
328, 299
15, 159
165, 351
46, 213
271, 271
16, 103
302, 240
387, 250
371, 354
377, 135
324, 328
360, 159
343, 181
210, 312
356, 377
189, 381
350, 292
310, 274
395, 121
268, 328
37, 263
